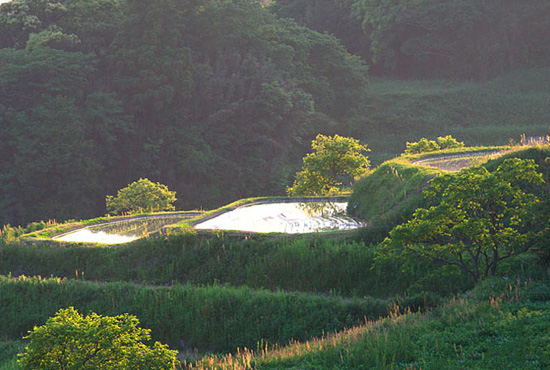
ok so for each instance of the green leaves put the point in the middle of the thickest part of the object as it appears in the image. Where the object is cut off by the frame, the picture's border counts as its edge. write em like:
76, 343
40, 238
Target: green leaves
425, 146
142, 196
481, 218
93, 342
472, 39
210, 97
335, 160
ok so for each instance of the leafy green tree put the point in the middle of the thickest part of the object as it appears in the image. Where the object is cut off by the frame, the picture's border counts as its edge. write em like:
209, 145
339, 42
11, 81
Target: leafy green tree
209, 97
336, 160
142, 196
70, 341
327, 16
482, 218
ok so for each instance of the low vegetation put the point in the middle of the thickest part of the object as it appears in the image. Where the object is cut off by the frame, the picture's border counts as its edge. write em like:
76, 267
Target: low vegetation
391, 193
425, 146
211, 318
331, 302
220, 100
501, 323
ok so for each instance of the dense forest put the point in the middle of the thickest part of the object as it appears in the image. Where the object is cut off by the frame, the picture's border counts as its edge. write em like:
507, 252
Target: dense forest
219, 99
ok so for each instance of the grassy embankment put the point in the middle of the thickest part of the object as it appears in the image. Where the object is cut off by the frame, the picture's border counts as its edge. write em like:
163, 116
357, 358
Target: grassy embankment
220, 317
391, 193
502, 323
491, 113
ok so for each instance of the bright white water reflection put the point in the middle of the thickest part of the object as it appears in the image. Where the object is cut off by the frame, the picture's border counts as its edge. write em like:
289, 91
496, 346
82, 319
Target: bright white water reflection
291, 218
120, 231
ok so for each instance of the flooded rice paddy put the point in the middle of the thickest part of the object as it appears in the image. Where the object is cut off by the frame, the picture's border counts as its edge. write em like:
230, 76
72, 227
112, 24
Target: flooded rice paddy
282, 217
290, 218
123, 231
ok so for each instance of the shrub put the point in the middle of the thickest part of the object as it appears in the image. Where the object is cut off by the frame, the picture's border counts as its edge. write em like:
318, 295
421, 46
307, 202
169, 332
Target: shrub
449, 142
142, 196
72, 341
425, 146
421, 146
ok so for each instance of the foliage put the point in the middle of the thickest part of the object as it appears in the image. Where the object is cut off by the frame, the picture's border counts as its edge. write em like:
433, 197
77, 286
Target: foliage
216, 318
142, 196
328, 16
425, 146
421, 146
497, 325
481, 218
8, 354
9, 234
469, 39
449, 142
72, 341
152, 89
275, 263
336, 160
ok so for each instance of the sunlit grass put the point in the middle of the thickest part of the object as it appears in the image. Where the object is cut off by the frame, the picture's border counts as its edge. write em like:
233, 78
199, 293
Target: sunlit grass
495, 326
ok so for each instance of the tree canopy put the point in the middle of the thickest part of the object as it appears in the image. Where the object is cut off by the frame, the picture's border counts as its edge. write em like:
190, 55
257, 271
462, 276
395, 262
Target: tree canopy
142, 196
71, 341
335, 161
220, 99
209, 97
473, 39
480, 219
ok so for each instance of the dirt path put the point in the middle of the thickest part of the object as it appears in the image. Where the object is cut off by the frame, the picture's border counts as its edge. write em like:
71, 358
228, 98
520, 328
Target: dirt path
456, 162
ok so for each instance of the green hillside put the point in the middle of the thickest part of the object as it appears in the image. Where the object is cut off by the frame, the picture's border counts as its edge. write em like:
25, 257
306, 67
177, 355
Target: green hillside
330, 302
492, 113
220, 100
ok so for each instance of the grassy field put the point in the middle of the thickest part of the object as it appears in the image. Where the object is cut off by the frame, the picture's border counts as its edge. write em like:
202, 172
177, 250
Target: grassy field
231, 301
492, 113
501, 324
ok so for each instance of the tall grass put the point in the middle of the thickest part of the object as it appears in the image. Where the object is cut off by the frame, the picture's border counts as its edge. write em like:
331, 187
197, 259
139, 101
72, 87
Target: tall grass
497, 325
390, 194
215, 318
336, 266
8, 354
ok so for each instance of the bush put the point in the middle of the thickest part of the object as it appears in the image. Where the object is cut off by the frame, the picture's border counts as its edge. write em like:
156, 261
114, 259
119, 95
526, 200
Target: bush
422, 146
425, 146
448, 142
142, 196
72, 341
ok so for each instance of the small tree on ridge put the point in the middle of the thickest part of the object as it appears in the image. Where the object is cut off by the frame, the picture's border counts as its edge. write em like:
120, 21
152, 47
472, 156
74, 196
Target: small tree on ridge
141, 196
336, 160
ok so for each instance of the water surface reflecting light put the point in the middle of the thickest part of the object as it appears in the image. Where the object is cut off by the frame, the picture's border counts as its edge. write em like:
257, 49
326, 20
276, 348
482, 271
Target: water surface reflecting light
123, 231
290, 218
